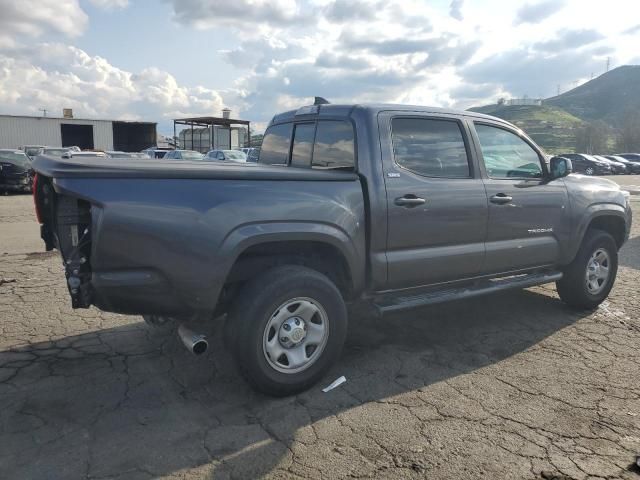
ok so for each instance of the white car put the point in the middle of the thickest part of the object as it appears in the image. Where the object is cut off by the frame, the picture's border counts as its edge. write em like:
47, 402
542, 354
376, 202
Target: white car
226, 155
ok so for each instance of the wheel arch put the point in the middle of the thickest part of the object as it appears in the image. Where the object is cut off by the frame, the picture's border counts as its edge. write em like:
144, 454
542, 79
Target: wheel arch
610, 218
256, 248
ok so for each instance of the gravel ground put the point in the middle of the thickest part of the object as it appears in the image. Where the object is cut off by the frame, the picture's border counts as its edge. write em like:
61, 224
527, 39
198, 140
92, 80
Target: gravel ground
514, 385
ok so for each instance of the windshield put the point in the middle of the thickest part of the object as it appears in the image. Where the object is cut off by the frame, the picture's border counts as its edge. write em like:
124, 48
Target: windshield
235, 155
15, 158
191, 155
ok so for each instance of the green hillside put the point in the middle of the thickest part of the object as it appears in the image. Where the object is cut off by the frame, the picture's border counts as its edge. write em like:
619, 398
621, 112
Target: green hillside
607, 97
551, 127
607, 101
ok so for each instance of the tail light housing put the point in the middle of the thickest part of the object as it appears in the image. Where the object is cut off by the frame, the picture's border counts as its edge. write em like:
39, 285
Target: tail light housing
35, 199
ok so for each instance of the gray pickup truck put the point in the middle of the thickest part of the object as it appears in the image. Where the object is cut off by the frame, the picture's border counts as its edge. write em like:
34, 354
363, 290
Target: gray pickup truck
388, 205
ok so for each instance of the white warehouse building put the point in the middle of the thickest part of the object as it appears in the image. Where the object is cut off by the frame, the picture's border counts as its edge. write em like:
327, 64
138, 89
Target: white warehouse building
19, 130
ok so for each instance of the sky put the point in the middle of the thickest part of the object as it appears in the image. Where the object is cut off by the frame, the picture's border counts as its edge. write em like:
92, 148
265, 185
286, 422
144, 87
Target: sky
159, 60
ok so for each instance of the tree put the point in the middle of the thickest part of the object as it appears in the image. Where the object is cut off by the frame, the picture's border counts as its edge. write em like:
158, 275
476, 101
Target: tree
256, 140
592, 137
629, 138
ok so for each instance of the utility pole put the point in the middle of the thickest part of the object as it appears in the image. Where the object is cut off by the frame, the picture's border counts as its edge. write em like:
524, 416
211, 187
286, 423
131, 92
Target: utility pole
608, 63
558, 94
44, 111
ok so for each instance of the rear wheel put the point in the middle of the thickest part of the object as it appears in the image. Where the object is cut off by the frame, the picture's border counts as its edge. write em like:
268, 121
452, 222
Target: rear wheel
588, 280
589, 171
290, 325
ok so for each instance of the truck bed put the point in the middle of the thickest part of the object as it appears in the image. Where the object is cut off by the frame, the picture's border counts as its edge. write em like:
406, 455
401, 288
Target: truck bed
150, 236
198, 170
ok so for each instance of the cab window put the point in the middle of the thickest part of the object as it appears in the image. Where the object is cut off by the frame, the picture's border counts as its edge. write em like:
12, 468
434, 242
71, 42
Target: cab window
275, 145
430, 147
506, 155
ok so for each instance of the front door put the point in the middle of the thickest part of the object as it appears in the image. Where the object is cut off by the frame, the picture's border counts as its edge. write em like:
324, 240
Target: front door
527, 213
437, 206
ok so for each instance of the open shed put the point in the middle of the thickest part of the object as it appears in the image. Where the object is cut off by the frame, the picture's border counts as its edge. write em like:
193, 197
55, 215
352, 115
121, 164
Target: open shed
206, 132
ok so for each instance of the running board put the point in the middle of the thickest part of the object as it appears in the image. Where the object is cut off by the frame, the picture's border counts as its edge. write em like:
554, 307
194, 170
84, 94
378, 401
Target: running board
390, 303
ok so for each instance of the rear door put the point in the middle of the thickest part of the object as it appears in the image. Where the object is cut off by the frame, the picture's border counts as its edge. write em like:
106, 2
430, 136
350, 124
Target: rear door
437, 205
528, 215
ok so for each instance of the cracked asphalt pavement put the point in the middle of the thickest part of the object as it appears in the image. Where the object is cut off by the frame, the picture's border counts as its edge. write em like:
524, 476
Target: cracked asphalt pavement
514, 385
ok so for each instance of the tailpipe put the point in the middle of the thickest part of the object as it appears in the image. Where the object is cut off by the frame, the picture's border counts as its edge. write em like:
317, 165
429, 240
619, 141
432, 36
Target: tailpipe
196, 343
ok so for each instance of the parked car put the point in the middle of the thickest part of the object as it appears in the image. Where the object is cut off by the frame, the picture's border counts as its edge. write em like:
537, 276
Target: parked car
617, 168
32, 150
183, 155
156, 152
632, 157
440, 205
587, 164
83, 154
54, 151
632, 167
253, 155
15, 171
226, 155
118, 154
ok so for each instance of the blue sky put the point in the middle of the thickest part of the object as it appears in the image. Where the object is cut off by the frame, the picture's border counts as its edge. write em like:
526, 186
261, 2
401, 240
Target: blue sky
158, 60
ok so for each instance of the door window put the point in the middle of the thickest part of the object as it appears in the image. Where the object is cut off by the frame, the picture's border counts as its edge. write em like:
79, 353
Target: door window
506, 155
430, 147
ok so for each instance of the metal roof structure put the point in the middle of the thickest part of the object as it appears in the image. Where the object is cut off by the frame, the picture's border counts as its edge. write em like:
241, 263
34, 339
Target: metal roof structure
211, 122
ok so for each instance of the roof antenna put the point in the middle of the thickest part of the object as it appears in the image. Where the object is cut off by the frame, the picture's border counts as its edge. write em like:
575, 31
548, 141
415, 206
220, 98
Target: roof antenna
320, 101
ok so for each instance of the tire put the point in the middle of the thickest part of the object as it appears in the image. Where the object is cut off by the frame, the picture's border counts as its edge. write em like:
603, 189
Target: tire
589, 171
281, 296
582, 289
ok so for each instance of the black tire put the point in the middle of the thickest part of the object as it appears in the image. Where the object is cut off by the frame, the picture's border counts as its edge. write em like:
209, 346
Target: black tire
254, 308
572, 288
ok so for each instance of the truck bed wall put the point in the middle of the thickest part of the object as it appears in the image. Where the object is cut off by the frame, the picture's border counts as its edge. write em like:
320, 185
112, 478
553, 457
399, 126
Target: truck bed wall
187, 233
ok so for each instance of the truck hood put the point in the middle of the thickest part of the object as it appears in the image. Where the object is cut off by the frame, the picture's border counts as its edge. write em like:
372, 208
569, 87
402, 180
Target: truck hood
591, 190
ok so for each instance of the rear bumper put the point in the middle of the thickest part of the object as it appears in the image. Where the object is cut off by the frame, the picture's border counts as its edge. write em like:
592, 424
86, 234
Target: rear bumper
139, 291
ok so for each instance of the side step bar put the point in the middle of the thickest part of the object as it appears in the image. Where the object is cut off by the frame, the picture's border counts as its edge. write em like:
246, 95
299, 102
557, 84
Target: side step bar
394, 303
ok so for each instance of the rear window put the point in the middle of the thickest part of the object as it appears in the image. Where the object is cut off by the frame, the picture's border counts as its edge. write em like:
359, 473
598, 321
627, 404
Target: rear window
302, 145
275, 145
334, 146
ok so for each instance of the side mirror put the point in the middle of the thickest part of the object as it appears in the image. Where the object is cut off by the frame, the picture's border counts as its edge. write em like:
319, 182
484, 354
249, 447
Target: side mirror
560, 167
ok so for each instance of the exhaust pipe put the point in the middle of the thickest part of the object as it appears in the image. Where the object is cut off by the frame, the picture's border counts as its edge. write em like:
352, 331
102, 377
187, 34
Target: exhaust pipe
196, 343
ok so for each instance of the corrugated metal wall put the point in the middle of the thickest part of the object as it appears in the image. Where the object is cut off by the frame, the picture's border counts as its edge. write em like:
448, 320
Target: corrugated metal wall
18, 131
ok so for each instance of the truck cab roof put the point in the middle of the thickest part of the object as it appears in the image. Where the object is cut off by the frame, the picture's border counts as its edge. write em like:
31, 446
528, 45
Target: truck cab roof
346, 110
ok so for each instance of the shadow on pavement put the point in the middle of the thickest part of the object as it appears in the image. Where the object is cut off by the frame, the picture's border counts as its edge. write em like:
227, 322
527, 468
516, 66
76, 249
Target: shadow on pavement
630, 253
130, 402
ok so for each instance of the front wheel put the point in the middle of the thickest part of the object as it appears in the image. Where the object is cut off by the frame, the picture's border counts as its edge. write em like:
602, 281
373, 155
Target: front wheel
589, 171
289, 325
588, 280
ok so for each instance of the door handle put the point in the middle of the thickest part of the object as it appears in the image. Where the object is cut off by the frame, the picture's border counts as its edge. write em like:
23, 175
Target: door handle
501, 198
409, 201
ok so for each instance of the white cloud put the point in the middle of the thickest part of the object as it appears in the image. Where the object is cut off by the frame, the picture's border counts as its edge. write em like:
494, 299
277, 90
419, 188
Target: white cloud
110, 4
36, 17
57, 76
239, 13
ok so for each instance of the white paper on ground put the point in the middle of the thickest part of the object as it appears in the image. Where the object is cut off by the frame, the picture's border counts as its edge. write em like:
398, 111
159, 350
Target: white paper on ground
336, 383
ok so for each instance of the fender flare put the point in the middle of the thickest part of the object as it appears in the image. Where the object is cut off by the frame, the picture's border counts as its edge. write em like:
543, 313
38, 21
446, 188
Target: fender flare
593, 212
248, 235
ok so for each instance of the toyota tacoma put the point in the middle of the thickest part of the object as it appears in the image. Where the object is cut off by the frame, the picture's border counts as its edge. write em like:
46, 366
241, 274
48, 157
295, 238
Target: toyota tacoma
391, 206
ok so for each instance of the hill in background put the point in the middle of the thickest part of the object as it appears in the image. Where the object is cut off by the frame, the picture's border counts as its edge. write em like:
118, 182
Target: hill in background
551, 127
609, 101
607, 97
